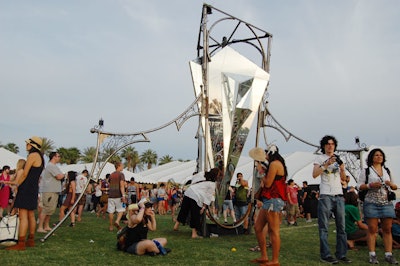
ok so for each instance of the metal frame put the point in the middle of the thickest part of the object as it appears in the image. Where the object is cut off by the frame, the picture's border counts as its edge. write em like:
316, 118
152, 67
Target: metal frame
119, 141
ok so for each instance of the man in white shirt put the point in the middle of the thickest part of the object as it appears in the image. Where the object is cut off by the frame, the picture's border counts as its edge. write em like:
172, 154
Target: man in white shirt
332, 170
81, 181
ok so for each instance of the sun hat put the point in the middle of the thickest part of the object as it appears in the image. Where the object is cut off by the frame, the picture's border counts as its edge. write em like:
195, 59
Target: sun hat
35, 142
133, 207
146, 202
258, 154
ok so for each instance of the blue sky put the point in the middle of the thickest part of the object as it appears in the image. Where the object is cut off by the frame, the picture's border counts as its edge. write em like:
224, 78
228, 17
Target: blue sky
64, 64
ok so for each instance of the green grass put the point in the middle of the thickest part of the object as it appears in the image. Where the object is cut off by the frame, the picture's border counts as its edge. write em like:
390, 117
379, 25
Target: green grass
72, 246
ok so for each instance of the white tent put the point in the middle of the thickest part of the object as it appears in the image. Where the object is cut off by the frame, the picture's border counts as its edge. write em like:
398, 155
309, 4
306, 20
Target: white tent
176, 171
108, 169
9, 158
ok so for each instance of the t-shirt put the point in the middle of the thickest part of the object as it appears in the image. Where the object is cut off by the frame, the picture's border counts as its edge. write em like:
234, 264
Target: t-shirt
293, 194
330, 178
49, 183
352, 215
241, 195
115, 178
80, 184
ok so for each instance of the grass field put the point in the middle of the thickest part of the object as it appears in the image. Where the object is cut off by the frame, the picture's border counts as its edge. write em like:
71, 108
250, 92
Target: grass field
90, 243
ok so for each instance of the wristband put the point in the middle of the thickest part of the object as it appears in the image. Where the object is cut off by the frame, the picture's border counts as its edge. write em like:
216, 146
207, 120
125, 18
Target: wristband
322, 167
369, 185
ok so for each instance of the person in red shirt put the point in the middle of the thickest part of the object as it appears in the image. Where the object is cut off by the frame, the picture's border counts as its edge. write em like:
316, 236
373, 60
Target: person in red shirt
293, 204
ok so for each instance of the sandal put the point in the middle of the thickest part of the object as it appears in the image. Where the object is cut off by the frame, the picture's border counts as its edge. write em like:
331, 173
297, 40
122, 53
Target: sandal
255, 249
259, 261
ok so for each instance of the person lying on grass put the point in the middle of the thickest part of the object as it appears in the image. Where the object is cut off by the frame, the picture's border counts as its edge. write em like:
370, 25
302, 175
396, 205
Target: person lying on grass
141, 219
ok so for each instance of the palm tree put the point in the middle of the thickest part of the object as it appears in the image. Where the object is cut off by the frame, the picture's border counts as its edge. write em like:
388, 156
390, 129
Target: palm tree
11, 147
165, 159
47, 146
131, 157
149, 157
69, 155
107, 152
88, 155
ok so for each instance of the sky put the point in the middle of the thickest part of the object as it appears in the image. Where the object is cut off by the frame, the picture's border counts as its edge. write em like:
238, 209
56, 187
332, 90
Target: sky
65, 64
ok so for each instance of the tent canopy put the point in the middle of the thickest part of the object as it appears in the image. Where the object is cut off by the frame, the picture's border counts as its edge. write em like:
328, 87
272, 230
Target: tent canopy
9, 158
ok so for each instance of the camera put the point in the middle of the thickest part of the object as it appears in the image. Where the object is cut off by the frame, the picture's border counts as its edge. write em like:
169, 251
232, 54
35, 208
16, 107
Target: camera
338, 160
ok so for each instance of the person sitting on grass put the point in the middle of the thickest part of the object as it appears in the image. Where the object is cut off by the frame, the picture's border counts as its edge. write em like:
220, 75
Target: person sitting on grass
141, 219
356, 230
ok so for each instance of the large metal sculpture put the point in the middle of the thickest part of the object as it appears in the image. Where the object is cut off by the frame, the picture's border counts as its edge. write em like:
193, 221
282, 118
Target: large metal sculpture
230, 92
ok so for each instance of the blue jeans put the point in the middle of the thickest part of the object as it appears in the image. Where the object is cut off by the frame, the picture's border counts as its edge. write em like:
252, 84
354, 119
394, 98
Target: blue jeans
326, 205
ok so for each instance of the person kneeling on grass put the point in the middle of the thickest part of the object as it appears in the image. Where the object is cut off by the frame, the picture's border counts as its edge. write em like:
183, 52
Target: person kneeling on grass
141, 219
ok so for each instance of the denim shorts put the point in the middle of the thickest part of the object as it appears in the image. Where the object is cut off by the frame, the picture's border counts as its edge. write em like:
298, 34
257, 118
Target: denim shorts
132, 248
372, 210
274, 204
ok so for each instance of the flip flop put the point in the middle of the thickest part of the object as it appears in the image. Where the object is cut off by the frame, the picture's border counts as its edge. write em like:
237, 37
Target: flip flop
259, 261
255, 249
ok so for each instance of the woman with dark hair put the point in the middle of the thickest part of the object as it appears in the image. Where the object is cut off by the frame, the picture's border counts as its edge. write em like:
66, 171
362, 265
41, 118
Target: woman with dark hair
377, 205
27, 196
273, 197
356, 230
197, 197
141, 218
70, 199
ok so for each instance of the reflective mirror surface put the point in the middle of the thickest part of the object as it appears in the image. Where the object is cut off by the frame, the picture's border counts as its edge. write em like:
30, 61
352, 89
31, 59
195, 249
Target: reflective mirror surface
235, 90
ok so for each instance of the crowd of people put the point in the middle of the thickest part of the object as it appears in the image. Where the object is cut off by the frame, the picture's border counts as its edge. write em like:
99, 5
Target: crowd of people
39, 187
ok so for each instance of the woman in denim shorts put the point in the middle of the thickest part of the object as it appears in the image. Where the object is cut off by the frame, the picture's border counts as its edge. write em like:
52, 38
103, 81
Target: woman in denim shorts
377, 205
273, 192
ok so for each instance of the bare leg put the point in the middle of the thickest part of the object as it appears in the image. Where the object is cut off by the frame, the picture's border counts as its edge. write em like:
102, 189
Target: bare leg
111, 220
372, 231
387, 234
261, 233
273, 228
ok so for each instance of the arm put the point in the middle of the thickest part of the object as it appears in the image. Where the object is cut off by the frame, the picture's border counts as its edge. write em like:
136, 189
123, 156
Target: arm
243, 182
60, 176
318, 169
362, 225
151, 223
122, 190
342, 170
73, 188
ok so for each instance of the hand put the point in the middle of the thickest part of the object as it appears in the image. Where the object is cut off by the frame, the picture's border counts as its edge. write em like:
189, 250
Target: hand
375, 185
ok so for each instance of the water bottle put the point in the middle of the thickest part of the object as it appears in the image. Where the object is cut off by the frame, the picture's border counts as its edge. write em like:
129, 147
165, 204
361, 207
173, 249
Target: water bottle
160, 247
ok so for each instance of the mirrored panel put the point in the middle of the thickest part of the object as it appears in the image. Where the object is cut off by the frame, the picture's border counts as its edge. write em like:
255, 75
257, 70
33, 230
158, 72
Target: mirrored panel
235, 88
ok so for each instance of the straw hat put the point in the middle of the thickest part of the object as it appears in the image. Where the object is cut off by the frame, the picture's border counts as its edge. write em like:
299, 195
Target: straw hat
35, 142
133, 207
258, 154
